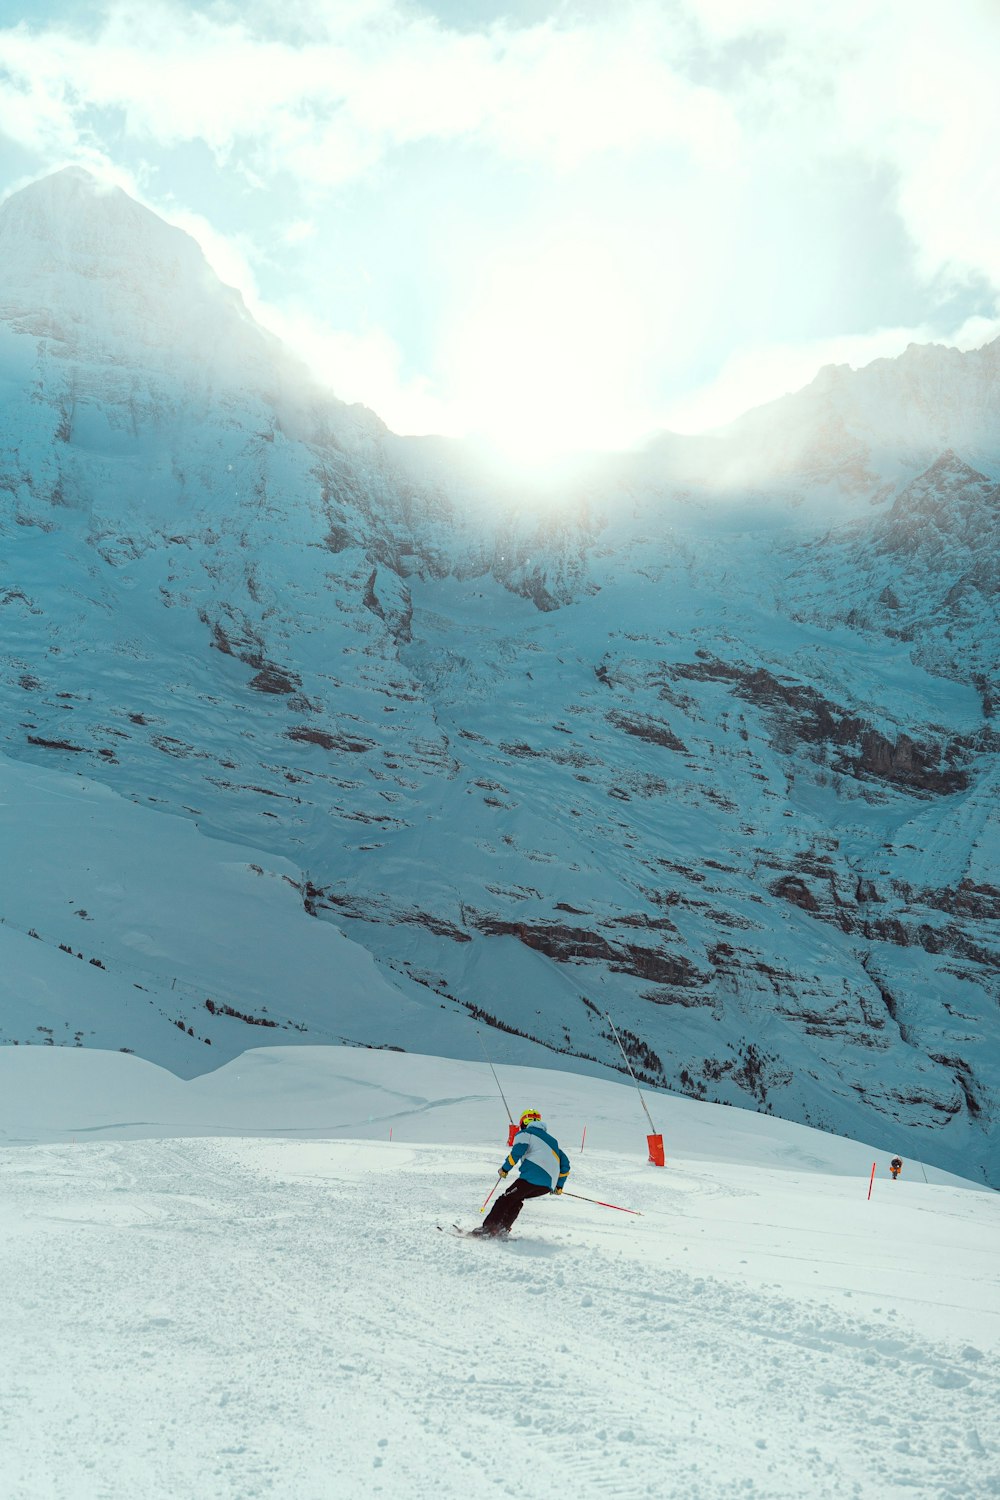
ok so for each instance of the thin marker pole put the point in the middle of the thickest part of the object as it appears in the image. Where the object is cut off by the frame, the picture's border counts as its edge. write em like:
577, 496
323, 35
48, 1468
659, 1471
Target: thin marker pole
628, 1065
496, 1080
584, 1138
870, 1181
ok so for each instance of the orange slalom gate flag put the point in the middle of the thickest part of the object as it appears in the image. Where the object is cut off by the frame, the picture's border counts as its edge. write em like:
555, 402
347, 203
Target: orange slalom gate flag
511, 1133
655, 1144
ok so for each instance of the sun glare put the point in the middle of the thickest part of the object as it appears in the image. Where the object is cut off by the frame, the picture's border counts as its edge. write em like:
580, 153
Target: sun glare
545, 355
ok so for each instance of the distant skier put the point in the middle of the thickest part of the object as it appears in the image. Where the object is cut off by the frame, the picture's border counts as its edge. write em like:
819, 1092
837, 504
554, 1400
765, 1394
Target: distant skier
896, 1166
542, 1165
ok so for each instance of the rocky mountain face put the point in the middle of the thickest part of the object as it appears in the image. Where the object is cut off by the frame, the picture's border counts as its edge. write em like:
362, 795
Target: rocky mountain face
705, 739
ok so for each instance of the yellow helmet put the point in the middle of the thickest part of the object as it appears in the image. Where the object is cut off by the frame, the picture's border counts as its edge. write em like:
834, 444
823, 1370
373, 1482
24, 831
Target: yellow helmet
528, 1116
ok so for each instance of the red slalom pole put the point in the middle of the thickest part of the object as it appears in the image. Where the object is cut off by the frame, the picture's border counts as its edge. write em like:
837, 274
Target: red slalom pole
584, 1137
601, 1204
870, 1181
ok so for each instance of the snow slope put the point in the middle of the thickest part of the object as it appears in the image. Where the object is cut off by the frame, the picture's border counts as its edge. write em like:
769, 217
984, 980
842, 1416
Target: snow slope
188, 949
233, 1287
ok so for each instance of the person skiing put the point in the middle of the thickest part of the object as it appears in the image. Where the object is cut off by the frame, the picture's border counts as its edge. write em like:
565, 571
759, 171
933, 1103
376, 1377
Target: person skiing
542, 1165
896, 1166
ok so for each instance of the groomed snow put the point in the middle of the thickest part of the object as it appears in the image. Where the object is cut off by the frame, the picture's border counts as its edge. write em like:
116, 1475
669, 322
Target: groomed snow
233, 1287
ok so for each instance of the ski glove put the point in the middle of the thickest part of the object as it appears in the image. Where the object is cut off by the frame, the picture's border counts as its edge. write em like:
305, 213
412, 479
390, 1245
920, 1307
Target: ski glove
558, 1192
501, 1171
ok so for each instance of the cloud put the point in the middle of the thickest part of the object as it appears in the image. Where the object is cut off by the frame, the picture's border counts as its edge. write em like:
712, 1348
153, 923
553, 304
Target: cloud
327, 92
907, 84
703, 142
297, 232
359, 82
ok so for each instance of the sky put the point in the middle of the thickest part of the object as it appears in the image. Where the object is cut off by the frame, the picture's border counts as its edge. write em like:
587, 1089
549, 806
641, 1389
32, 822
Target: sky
550, 225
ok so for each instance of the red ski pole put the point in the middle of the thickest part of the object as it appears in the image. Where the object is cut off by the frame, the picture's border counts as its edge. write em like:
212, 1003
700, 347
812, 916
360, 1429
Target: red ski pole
489, 1195
601, 1204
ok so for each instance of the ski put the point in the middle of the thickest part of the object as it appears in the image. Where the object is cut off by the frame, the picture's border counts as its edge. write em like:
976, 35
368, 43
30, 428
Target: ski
468, 1234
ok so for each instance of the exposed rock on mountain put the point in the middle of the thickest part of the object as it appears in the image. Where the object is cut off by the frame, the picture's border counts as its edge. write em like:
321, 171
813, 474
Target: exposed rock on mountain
705, 740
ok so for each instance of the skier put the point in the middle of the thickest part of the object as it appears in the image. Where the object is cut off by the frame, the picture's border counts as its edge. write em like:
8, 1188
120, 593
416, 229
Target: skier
543, 1168
896, 1166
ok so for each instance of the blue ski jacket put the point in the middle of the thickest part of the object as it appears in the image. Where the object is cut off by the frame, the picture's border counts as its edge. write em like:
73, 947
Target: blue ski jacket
540, 1158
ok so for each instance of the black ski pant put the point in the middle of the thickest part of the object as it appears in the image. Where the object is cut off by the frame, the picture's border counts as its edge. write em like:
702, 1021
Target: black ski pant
507, 1207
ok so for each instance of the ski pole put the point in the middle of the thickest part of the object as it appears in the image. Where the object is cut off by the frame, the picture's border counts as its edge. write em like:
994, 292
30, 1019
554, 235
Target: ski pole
496, 1080
601, 1204
489, 1195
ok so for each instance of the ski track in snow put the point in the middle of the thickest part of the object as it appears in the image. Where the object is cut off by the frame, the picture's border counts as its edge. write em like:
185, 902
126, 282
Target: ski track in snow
245, 1318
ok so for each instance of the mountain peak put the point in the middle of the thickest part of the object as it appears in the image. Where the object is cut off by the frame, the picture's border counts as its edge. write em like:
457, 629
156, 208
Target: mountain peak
70, 181
102, 281
65, 179
949, 468
105, 280
72, 221
950, 503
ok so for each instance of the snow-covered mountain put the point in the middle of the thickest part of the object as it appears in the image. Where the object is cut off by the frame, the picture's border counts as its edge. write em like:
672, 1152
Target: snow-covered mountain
705, 738
866, 430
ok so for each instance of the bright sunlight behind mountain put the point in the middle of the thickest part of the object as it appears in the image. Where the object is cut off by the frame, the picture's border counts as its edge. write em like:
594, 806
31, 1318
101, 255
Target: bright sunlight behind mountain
550, 228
